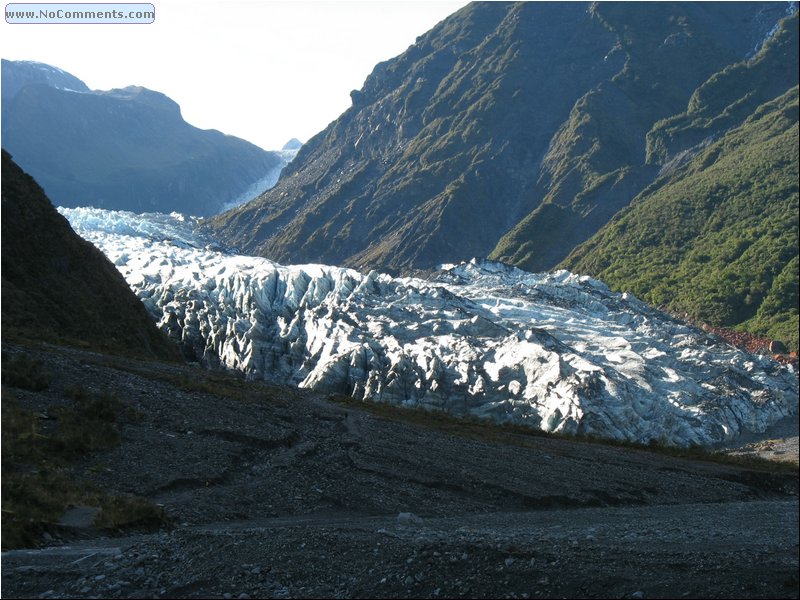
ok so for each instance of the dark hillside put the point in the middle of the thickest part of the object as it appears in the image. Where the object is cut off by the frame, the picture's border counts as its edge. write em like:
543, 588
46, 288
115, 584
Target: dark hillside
58, 287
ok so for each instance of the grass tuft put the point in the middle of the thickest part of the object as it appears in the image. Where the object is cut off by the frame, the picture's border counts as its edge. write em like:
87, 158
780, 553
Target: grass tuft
37, 483
25, 373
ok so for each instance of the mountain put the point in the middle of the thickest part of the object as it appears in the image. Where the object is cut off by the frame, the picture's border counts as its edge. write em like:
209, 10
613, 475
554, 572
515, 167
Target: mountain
292, 144
557, 352
617, 138
58, 287
126, 149
716, 235
515, 130
717, 238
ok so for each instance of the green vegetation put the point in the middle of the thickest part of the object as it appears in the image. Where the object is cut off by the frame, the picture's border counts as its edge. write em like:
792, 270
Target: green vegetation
25, 373
594, 164
39, 449
718, 237
87, 425
729, 96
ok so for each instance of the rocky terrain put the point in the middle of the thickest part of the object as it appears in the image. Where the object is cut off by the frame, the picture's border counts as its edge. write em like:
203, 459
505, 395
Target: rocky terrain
274, 492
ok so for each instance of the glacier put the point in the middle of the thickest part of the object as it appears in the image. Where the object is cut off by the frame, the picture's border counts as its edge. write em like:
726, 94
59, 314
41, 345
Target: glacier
556, 351
267, 182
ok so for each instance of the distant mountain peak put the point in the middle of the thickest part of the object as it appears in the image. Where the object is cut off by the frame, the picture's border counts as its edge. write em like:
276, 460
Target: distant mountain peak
292, 144
138, 93
18, 73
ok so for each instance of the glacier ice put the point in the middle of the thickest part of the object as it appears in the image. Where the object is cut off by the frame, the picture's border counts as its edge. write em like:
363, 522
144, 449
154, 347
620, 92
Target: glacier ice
268, 181
556, 351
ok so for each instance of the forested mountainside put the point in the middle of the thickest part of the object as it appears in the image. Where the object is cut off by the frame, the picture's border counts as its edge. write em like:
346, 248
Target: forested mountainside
59, 287
717, 238
126, 149
519, 130
719, 103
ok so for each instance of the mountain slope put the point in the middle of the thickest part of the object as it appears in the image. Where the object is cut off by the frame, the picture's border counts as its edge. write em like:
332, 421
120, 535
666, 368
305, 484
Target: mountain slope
607, 152
127, 149
718, 237
56, 286
503, 113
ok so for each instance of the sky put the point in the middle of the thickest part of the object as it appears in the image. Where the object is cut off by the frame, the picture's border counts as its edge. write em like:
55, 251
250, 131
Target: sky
263, 70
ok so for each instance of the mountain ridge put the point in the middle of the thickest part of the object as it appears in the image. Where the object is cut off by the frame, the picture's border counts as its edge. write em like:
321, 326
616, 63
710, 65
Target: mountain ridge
126, 149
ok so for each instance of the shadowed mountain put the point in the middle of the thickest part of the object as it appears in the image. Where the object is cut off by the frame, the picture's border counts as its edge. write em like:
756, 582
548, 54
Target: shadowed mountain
59, 287
124, 149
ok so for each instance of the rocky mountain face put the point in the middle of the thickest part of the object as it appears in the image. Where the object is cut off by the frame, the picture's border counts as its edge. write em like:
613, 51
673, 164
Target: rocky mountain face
58, 287
511, 129
126, 149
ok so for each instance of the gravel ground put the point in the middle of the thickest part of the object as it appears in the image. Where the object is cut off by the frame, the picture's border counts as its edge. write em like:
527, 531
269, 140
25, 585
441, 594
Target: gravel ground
779, 442
280, 493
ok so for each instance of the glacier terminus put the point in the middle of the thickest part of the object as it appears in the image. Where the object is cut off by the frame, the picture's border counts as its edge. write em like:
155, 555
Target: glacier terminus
556, 351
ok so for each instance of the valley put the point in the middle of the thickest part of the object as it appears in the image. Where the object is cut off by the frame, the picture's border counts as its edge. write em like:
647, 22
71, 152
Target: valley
521, 322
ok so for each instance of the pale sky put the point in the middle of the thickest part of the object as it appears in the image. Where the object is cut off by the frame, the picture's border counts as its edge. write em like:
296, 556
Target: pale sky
263, 70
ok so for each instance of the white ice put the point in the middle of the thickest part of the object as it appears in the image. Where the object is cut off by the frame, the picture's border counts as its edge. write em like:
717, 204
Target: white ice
555, 351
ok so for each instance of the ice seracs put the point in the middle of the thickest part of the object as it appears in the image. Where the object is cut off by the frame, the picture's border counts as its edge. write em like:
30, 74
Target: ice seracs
556, 351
